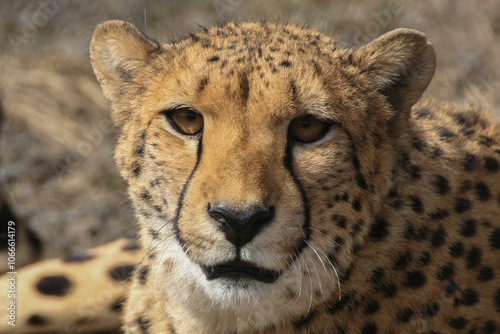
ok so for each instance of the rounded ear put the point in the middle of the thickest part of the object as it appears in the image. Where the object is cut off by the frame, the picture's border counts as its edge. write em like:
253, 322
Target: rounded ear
401, 63
118, 51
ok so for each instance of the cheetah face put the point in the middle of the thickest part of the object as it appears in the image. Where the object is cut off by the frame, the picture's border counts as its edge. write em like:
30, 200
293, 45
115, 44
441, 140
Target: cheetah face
238, 147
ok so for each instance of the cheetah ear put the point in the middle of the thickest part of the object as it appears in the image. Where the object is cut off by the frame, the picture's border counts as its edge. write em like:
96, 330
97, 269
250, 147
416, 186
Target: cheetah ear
401, 63
118, 51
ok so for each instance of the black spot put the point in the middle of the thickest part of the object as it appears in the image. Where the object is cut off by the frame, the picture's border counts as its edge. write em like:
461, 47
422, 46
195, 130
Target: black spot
446, 272
78, 258
388, 289
144, 324
403, 260
377, 275
140, 150
438, 214
131, 245
194, 38
393, 193
441, 185
470, 161
457, 249
460, 118
469, 297
369, 328
371, 307
121, 273
338, 242
340, 220
304, 321
468, 228
142, 274
202, 84
412, 170
153, 233
495, 239
416, 204
124, 73
117, 306
462, 205
405, 315
154, 182
36, 320
379, 230
424, 113
451, 287
491, 164
397, 204
415, 279
56, 285
486, 141
489, 328
458, 323
473, 257
356, 205
483, 191
425, 258
445, 133
213, 59
430, 310
438, 238
339, 304
436, 151
286, 63
485, 274
496, 299
137, 171
413, 234
145, 195
419, 144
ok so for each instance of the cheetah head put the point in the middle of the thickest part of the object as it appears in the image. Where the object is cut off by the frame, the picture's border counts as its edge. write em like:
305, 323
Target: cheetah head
257, 153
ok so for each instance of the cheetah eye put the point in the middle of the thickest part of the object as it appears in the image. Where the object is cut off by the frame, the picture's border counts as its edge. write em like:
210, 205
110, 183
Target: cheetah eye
307, 129
185, 121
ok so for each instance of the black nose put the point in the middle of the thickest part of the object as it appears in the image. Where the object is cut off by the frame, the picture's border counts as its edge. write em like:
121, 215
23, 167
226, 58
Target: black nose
240, 226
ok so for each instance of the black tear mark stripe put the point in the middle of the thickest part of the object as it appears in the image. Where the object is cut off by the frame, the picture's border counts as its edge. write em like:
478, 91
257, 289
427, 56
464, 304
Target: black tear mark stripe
183, 193
288, 163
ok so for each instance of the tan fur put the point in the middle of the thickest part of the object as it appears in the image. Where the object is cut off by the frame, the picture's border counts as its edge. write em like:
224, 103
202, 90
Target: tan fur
90, 302
387, 224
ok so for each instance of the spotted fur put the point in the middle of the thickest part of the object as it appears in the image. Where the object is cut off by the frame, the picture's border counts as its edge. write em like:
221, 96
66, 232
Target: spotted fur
81, 293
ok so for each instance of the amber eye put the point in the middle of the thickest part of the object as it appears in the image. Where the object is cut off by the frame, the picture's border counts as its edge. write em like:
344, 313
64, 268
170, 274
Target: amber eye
185, 121
307, 129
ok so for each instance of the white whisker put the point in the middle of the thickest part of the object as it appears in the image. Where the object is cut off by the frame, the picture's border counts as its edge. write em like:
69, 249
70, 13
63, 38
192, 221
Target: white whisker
310, 284
334, 270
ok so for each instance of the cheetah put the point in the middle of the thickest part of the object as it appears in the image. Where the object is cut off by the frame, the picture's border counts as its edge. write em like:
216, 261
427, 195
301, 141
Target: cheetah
284, 183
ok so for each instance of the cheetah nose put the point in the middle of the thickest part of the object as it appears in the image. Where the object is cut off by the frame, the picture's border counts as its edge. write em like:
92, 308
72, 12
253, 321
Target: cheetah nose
240, 226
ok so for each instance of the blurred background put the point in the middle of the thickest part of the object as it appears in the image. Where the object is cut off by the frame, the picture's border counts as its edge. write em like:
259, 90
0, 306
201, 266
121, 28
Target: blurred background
57, 175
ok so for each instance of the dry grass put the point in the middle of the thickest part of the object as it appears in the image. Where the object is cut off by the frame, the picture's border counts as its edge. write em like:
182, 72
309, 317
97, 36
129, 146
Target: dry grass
56, 146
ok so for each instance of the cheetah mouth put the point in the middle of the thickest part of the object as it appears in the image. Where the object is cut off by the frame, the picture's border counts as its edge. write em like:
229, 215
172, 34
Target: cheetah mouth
237, 270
